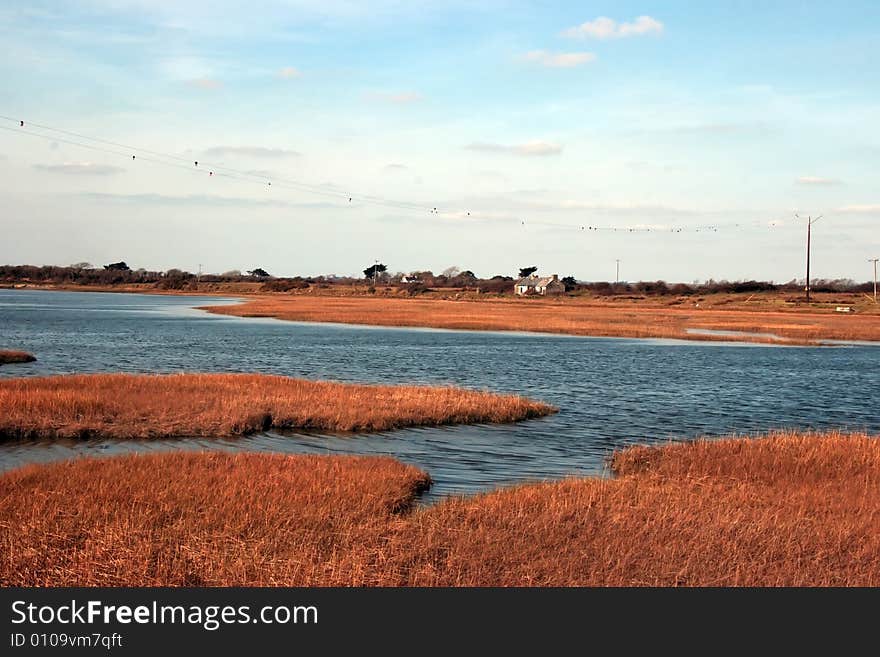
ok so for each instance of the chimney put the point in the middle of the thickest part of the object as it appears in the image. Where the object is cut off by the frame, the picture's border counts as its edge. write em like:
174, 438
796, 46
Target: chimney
555, 277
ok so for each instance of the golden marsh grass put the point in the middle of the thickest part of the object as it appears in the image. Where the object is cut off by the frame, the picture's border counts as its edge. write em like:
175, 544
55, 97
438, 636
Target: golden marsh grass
163, 406
631, 319
783, 510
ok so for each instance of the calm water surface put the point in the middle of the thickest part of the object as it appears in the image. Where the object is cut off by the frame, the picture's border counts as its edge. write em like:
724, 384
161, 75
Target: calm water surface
611, 392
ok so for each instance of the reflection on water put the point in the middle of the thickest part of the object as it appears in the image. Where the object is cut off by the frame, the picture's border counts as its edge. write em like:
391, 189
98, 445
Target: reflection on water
735, 334
612, 392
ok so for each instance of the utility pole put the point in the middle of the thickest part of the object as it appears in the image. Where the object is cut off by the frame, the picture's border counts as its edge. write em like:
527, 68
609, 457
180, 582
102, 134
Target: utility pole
375, 272
874, 260
810, 222
199, 275
617, 273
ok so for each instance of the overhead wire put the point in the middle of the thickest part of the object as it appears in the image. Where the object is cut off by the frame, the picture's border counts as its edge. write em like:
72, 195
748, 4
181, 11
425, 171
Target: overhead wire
198, 166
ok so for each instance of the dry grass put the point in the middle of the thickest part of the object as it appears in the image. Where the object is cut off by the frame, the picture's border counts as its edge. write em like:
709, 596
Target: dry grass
181, 519
7, 356
159, 406
789, 510
784, 510
640, 318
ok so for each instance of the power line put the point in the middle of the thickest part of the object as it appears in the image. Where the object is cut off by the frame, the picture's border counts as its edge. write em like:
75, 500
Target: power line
140, 154
211, 168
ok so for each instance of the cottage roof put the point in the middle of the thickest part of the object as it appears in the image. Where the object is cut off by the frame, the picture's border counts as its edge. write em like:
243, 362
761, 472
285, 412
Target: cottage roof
535, 281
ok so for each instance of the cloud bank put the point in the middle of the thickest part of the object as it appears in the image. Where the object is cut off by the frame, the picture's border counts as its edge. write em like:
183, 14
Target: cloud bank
528, 149
607, 28
560, 59
817, 181
80, 169
250, 151
206, 84
398, 98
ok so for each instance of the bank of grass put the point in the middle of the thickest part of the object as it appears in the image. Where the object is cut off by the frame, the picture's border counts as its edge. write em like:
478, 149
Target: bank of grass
174, 405
788, 509
8, 356
190, 519
643, 318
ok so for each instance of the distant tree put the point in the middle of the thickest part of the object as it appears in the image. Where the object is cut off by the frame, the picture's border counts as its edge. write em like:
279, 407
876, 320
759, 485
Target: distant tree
427, 277
232, 273
259, 273
570, 283
117, 266
527, 271
175, 279
285, 284
374, 270
79, 266
451, 272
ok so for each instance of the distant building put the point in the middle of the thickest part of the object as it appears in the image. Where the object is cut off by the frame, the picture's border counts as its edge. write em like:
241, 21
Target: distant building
543, 285
410, 279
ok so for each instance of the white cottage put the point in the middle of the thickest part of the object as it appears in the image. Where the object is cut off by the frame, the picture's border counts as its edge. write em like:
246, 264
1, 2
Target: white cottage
543, 285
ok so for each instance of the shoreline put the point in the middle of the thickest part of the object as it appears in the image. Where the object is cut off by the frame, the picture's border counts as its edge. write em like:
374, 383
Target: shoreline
591, 317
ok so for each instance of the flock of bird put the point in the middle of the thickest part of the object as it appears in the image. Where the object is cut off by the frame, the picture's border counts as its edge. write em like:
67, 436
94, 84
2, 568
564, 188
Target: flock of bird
214, 170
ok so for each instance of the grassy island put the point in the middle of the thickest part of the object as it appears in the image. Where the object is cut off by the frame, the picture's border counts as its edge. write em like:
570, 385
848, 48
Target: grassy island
176, 405
8, 357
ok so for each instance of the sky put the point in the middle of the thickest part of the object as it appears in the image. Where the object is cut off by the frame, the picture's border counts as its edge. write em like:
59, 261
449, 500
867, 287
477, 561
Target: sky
484, 135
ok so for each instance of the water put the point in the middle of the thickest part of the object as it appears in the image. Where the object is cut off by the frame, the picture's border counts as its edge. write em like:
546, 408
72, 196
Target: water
612, 392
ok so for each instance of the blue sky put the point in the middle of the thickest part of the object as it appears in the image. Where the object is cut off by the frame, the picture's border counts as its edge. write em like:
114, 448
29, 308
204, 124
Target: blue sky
521, 122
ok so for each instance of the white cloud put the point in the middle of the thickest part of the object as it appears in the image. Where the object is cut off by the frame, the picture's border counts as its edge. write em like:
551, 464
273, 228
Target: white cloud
530, 148
263, 173
560, 59
626, 209
209, 200
80, 168
607, 28
250, 151
398, 98
860, 209
207, 84
817, 181
745, 128
289, 73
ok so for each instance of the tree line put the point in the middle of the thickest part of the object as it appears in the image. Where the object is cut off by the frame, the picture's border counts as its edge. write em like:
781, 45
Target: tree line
415, 282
